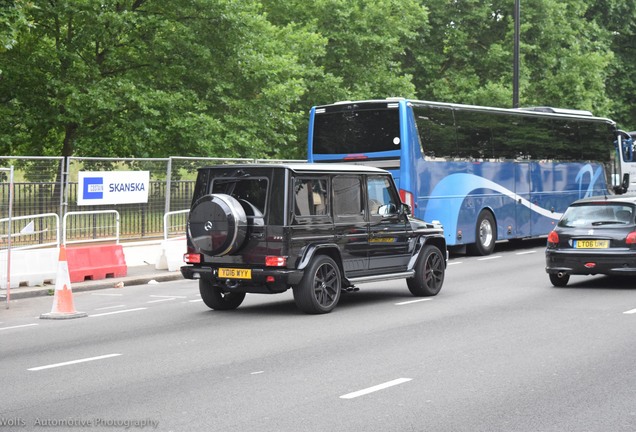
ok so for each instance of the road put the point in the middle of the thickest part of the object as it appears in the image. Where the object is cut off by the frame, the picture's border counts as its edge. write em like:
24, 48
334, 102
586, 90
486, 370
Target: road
499, 349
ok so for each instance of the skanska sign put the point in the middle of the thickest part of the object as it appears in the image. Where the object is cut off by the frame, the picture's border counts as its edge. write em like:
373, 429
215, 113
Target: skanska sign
113, 187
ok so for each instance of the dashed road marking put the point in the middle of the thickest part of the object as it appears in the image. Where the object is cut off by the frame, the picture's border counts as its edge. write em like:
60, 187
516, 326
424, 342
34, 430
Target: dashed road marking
17, 326
413, 301
117, 312
375, 388
111, 307
72, 362
490, 258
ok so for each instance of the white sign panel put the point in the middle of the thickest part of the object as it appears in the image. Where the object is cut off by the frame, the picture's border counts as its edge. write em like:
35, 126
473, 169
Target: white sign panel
113, 187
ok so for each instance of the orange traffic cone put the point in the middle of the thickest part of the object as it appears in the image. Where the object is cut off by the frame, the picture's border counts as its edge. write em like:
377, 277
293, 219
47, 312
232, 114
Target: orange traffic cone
63, 307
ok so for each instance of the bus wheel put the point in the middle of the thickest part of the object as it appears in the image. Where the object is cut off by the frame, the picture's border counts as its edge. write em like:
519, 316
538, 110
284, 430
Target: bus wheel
485, 234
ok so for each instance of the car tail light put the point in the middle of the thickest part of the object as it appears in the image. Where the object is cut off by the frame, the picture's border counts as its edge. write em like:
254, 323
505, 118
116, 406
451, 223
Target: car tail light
407, 198
192, 258
553, 238
631, 238
275, 261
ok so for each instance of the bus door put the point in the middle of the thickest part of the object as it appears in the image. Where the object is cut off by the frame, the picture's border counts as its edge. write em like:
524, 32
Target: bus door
625, 181
523, 202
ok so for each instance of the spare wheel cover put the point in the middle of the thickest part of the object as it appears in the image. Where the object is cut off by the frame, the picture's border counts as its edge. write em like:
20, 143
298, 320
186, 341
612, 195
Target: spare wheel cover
217, 224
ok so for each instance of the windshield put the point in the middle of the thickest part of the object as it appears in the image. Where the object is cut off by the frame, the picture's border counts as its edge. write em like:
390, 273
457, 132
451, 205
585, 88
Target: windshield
350, 129
591, 215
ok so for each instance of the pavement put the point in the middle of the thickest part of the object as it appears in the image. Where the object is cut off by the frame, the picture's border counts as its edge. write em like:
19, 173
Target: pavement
141, 270
136, 275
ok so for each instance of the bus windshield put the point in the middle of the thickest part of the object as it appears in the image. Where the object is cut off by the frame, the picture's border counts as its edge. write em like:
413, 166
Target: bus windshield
349, 129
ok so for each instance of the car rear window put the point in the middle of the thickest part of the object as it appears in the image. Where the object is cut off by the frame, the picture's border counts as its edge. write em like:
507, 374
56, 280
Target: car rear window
597, 214
252, 190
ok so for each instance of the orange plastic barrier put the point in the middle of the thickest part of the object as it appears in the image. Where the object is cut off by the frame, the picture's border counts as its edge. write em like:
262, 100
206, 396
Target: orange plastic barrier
96, 262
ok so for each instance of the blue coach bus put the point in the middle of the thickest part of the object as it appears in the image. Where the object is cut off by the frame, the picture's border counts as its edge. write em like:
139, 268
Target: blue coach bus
487, 174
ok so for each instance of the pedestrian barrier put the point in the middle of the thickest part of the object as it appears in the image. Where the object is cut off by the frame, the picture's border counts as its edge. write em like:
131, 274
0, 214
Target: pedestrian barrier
171, 257
96, 262
63, 306
32, 267
172, 249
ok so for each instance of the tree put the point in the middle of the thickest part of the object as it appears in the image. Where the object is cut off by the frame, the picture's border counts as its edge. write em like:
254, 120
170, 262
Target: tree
468, 57
141, 79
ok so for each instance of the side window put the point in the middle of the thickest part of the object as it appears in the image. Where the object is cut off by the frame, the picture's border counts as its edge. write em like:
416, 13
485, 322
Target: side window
382, 199
310, 197
347, 198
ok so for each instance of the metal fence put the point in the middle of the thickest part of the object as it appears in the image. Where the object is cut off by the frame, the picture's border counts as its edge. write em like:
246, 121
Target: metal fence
45, 185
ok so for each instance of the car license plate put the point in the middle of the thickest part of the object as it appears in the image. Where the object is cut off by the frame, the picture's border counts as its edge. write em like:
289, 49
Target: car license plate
591, 244
234, 273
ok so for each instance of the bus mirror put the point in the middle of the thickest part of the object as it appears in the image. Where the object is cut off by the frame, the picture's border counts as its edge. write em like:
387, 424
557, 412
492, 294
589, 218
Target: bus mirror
624, 186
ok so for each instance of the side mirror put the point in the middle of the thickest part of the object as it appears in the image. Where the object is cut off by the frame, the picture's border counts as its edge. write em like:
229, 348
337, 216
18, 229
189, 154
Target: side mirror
405, 209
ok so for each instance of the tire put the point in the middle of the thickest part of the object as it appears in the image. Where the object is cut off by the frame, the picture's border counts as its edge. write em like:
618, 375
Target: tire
319, 290
559, 281
485, 234
429, 273
217, 225
216, 299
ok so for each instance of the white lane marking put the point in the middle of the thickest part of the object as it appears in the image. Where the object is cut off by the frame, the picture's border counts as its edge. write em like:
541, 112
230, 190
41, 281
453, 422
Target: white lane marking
107, 295
454, 262
161, 300
195, 301
117, 312
257, 373
526, 253
489, 258
18, 326
375, 388
412, 301
629, 312
73, 362
170, 297
111, 307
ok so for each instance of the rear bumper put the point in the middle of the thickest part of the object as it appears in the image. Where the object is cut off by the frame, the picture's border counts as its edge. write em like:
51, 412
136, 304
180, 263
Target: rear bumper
585, 263
282, 279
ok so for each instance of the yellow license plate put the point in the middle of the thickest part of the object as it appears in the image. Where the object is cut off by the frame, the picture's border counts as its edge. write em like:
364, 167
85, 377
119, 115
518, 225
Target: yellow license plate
591, 244
234, 273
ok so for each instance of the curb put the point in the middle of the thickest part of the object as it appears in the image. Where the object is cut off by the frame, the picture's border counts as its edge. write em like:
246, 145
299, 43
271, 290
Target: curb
29, 292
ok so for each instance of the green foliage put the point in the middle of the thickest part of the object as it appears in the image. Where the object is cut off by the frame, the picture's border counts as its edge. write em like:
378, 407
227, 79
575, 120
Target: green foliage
236, 78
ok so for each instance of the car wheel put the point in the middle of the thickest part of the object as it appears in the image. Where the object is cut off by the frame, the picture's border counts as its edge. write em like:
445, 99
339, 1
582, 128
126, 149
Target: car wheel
559, 281
485, 234
217, 225
429, 273
217, 299
319, 289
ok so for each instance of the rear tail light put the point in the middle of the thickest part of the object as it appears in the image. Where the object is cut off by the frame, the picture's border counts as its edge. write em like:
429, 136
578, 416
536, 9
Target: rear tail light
275, 261
192, 258
553, 238
407, 198
631, 238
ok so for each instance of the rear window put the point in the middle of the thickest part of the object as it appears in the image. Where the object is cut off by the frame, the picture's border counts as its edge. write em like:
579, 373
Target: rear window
252, 190
592, 215
357, 130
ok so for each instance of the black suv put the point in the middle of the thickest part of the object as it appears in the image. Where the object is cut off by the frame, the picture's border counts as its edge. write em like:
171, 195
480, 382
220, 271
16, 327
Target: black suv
316, 228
